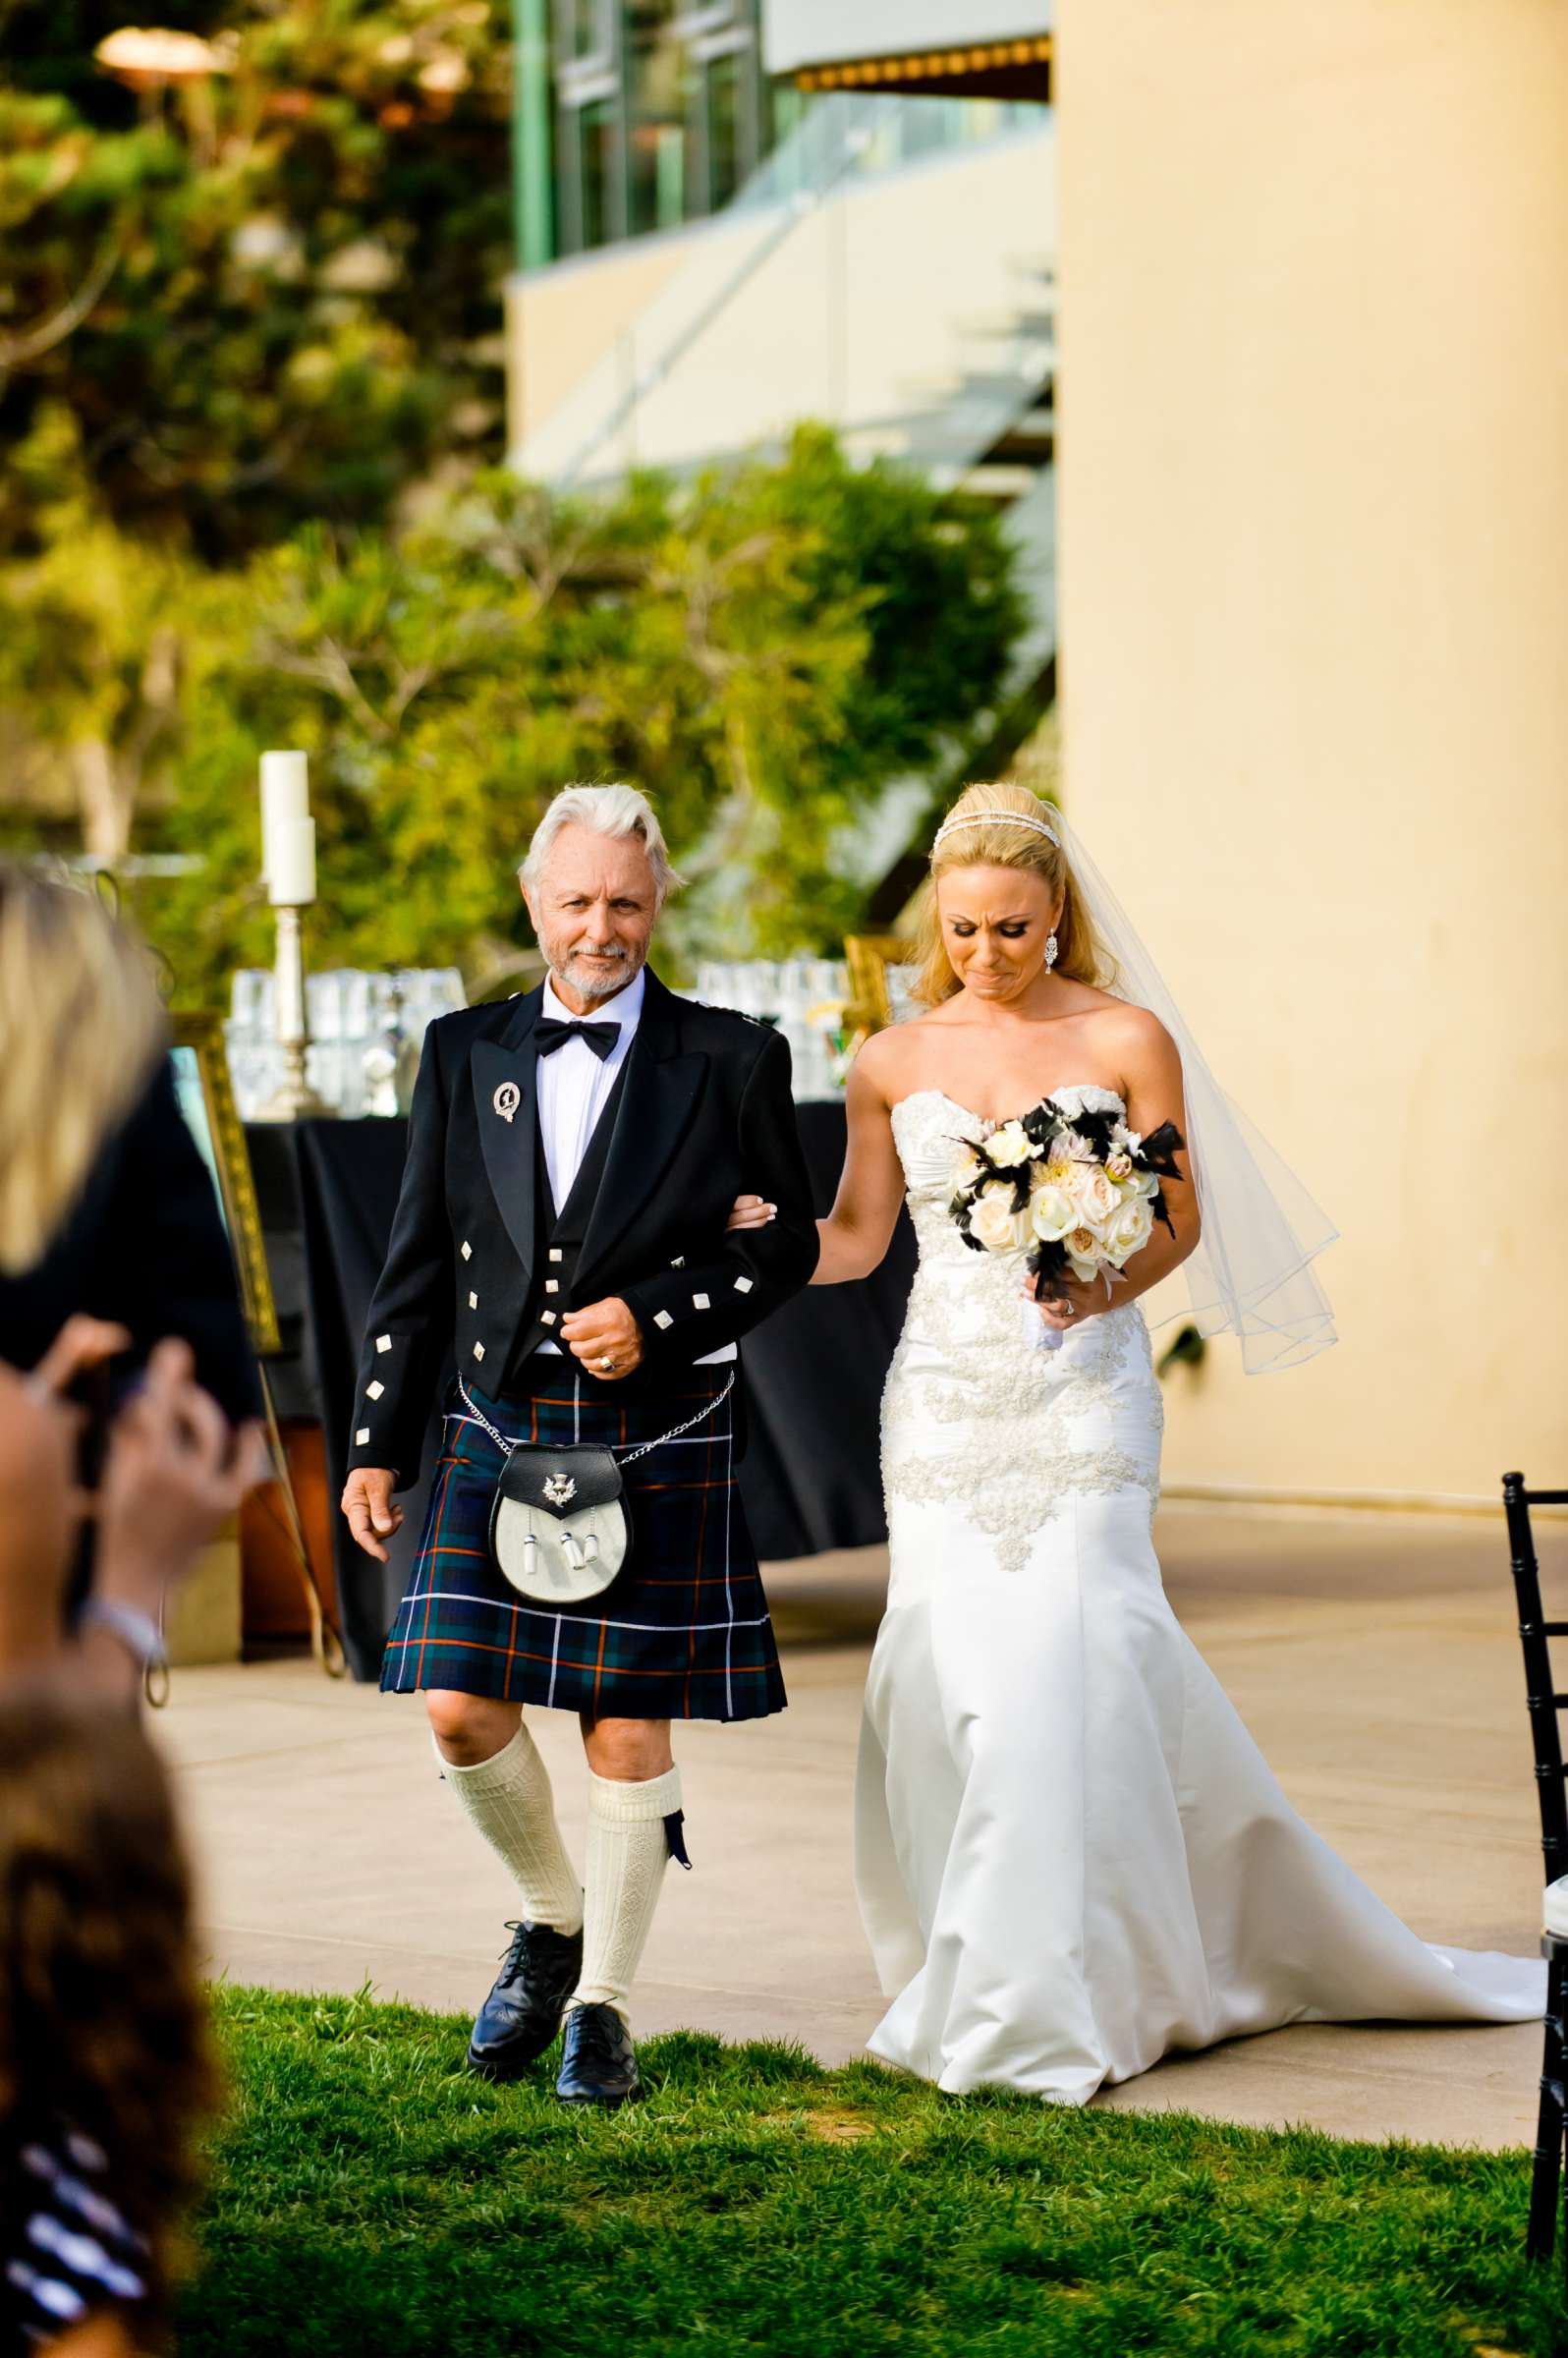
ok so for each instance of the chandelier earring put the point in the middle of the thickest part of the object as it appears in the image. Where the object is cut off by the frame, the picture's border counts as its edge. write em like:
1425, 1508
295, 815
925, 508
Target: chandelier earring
1051, 952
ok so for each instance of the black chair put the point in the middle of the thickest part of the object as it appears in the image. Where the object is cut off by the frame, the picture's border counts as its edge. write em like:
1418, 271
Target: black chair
1544, 1703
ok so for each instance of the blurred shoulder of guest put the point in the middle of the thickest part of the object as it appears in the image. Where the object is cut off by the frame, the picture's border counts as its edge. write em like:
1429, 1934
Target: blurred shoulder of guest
105, 1203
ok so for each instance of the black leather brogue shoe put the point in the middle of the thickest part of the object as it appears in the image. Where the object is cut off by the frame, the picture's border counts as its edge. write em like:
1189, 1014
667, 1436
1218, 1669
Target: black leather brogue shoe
598, 2062
515, 2025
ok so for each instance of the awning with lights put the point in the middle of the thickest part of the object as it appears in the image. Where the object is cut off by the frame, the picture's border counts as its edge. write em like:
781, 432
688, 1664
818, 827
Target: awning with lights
966, 48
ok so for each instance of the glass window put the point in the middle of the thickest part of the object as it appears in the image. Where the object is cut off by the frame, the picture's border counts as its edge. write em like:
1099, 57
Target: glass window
662, 111
657, 75
724, 134
583, 28
598, 148
784, 112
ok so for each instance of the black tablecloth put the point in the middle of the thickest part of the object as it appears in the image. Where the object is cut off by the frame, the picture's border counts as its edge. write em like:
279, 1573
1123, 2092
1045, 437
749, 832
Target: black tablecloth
814, 1371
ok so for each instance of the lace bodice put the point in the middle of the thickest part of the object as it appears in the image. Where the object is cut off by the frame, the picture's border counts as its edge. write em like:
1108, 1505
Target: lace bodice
974, 1411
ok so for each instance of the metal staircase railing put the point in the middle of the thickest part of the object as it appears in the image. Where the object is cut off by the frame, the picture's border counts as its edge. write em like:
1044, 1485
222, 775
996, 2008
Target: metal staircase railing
844, 138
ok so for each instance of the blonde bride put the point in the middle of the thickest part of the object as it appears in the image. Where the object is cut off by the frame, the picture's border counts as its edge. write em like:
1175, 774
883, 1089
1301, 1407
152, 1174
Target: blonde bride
1070, 1857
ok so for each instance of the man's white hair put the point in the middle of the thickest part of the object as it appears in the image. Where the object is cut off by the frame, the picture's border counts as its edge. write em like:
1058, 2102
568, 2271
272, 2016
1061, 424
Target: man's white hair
617, 811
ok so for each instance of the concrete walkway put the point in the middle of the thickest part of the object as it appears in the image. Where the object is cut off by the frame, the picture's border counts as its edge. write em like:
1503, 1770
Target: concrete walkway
1373, 1658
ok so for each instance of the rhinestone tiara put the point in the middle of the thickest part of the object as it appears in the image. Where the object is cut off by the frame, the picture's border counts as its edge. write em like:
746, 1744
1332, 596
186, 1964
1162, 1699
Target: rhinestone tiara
997, 818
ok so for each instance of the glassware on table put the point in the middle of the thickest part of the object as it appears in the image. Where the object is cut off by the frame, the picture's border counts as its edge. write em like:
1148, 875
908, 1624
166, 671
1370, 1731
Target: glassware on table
367, 1030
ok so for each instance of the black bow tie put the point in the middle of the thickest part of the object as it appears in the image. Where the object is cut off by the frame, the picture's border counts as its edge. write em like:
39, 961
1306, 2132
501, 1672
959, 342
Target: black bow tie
600, 1037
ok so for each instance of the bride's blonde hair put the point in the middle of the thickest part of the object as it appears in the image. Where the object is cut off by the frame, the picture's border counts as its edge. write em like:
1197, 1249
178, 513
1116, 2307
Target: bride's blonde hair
80, 1030
1002, 843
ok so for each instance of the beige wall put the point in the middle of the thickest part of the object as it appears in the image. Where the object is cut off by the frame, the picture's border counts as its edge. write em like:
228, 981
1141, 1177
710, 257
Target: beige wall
563, 321
1314, 478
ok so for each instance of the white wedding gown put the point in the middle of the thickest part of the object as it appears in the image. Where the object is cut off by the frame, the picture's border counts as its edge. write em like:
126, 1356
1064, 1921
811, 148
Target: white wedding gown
1070, 1855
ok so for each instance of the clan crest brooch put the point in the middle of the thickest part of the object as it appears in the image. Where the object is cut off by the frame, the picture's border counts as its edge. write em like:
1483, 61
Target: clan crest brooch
507, 1098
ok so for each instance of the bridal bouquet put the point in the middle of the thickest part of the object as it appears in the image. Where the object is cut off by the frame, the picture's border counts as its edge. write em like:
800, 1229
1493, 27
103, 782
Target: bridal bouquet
1070, 1195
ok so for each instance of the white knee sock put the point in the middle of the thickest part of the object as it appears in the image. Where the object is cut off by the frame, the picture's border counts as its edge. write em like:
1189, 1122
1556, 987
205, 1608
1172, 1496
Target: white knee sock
626, 1855
508, 1797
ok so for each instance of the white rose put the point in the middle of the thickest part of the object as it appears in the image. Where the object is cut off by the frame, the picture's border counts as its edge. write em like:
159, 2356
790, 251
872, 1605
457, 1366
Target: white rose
1052, 1213
1096, 1195
1129, 1232
1009, 1146
996, 1225
1148, 1185
1082, 1253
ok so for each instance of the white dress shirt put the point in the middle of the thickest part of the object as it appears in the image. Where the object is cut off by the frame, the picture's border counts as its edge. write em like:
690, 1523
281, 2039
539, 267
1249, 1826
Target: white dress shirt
574, 1089
575, 1085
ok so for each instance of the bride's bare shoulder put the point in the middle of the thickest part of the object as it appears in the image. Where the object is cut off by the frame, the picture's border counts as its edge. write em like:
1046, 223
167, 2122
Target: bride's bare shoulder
888, 1060
1121, 1020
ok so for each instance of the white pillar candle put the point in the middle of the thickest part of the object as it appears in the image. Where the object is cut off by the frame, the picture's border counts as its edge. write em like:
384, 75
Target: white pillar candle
290, 864
285, 798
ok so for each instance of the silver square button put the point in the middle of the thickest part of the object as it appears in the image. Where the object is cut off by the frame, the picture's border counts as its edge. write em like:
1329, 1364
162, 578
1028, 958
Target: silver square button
362, 1437
384, 1342
663, 1318
743, 1285
700, 1301
468, 1249
556, 1252
478, 1350
546, 1318
373, 1391
473, 1301
552, 1285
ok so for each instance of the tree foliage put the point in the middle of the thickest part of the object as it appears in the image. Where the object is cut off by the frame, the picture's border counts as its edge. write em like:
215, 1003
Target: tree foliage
728, 644
265, 298
250, 416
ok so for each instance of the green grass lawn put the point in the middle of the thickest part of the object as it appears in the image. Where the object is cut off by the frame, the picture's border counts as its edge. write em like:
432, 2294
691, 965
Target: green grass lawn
369, 2195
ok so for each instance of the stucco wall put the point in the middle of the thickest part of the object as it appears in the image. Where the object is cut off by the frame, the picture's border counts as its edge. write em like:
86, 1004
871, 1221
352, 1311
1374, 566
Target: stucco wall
561, 322
1313, 481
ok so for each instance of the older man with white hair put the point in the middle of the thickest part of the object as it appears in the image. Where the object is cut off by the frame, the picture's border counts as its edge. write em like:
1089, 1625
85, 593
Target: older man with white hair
563, 1232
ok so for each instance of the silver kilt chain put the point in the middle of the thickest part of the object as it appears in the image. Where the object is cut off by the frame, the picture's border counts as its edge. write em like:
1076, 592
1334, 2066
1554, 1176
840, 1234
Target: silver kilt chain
626, 1458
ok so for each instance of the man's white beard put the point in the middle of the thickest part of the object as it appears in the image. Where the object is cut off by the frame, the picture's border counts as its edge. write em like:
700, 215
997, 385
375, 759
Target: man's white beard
593, 981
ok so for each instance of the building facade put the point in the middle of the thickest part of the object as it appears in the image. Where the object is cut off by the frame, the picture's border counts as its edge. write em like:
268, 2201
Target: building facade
1307, 271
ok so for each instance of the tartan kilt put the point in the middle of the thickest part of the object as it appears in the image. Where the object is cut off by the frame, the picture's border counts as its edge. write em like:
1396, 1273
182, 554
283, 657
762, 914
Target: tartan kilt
683, 1632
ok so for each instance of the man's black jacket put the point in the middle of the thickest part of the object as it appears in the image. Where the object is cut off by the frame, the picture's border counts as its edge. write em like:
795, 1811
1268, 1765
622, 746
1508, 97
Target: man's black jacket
704, 1114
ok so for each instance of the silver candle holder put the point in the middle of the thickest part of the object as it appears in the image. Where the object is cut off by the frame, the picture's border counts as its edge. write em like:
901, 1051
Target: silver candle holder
294, 1099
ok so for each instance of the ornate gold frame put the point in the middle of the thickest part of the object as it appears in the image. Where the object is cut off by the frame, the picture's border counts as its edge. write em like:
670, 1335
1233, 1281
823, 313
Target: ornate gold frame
203, 1034
868, 957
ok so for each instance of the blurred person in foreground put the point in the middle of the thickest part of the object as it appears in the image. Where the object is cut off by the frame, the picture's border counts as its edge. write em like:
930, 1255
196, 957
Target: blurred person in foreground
573, 1159
106, 1206
110, 1241
105, 2075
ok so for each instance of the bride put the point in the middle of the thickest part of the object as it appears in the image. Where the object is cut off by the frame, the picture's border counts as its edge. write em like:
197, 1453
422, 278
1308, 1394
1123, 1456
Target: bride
1070, 1855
